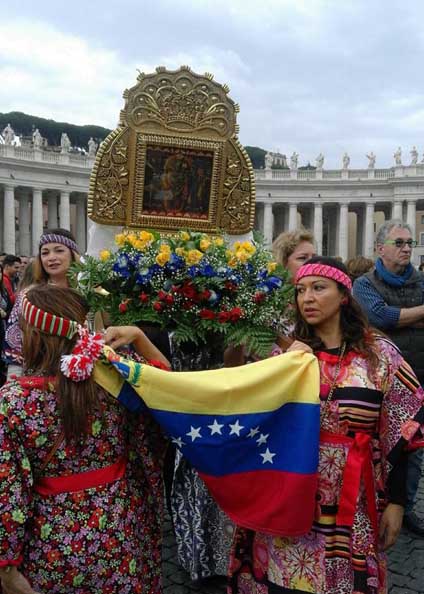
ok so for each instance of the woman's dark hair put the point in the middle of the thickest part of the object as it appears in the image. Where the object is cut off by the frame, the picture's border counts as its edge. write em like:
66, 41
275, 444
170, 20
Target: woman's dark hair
40, 275
42, 353
356, 331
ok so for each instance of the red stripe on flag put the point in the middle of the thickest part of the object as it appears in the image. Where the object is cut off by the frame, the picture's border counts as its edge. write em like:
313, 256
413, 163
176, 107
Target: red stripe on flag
270, 501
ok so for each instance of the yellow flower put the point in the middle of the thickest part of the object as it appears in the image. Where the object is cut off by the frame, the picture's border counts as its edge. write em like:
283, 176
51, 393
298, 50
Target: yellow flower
162, 258
242, 256
232, 262
132, 238
204, 244
218, 241
139, 245
229, 254
146, 236
180, 251
104, 255
249, 247
164, 248
271, 267
194, 257
185, 236
237, 245
120, 239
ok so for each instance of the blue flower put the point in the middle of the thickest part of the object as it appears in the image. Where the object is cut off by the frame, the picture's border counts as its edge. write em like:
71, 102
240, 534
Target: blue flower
193, 271
273, 282
207, 270
143, 276
175, 263
122, 265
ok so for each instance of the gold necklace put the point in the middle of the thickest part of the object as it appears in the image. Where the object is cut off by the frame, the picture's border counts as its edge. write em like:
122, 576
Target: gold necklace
326, 405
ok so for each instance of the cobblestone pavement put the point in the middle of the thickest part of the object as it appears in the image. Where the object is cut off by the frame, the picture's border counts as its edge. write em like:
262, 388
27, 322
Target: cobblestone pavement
406, 564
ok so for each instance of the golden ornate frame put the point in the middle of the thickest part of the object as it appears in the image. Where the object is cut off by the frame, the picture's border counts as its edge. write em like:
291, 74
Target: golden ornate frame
178, 109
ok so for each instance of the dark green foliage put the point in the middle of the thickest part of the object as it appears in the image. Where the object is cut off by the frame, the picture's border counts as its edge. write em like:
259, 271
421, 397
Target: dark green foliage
257, 156
24, 125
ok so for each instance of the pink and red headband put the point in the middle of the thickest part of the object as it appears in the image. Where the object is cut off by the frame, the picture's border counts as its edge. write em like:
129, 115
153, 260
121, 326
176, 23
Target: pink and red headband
56, 238
317, 269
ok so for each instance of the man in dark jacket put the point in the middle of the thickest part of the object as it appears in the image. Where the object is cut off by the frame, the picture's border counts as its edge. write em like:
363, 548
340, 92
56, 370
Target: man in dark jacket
11, 268
392, 295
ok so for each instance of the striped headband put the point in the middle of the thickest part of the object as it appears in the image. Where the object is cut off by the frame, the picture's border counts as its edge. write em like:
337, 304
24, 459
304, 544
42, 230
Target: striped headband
56, 238
317, 269
47, 322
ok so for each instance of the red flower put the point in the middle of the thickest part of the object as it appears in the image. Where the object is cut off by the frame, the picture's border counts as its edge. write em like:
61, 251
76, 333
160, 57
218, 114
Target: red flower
205, 294
169, 300
224, 316
207, 314
235, 314
123, 306
144, 298
230, 286
259, 297
30, 408
157, 306
189, 291
162, 295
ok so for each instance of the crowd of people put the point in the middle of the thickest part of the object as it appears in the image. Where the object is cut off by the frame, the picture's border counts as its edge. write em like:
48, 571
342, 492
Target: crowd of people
81, 508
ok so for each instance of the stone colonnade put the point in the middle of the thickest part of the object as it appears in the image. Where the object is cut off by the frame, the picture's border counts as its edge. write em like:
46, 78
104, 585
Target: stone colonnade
331, 223
26, 211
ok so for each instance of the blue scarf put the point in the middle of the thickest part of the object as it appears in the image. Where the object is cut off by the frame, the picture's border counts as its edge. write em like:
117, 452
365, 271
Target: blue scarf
394, 280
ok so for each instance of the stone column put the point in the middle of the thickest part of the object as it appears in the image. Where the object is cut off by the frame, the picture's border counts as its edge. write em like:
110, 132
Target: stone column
318, 227
24, 226
268, 223
292, 216
411, 217
343, 231
397, 210
9, 235
81, 224
369, 230
52, 212
37, 218
64, 211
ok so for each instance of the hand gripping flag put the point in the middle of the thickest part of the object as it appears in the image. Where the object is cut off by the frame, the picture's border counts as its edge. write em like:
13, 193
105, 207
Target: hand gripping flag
251, 432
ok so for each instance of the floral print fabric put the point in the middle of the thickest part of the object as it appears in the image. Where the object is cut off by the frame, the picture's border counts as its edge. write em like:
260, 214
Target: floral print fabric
104, 539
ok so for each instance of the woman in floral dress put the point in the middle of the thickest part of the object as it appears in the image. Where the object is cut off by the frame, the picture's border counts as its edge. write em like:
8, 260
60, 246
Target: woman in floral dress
81, 488
371, 410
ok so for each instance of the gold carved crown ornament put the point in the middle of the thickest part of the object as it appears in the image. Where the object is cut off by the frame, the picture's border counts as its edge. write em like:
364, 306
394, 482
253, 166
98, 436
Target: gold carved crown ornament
174, 161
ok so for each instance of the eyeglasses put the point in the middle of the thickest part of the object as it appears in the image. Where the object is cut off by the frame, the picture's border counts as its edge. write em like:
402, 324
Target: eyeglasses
400, 243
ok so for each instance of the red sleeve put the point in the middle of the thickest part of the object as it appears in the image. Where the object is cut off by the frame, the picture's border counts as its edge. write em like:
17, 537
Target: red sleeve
8, 285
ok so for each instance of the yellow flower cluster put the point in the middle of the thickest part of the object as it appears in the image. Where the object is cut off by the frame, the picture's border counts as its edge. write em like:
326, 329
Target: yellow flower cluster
139, 240
104, 255
241, 252
164, 254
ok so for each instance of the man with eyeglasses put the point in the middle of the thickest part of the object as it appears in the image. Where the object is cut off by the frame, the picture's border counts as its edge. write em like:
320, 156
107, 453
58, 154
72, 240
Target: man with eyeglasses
392, 295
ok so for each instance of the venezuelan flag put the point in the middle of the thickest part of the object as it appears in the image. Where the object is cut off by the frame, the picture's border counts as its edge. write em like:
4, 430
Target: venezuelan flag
251, 432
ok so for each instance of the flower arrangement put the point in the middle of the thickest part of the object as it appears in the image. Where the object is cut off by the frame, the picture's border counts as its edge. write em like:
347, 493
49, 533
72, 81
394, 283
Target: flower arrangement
191, 283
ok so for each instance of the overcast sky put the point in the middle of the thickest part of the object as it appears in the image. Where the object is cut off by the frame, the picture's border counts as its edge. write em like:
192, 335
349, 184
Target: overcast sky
309, 75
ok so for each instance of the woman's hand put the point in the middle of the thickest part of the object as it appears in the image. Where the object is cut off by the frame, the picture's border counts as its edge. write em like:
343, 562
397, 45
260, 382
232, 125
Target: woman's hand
13, 582
390, 524
297, 345
117, 336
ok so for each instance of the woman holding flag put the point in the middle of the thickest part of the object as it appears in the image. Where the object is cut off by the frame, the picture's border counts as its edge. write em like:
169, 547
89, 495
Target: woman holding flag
371, 410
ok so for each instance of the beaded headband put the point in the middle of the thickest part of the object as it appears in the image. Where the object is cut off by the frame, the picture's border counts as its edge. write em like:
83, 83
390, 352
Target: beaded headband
79, 364
56, 238
47, 322
317, 269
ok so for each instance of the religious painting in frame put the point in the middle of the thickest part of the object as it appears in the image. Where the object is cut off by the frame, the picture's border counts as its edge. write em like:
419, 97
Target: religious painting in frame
177, 183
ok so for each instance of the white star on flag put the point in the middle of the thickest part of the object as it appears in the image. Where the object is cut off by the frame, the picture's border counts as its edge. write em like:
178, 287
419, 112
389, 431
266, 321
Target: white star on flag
267, 457
236, 428
253, 432
178, 441
194, 433
262, 439
215, 428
